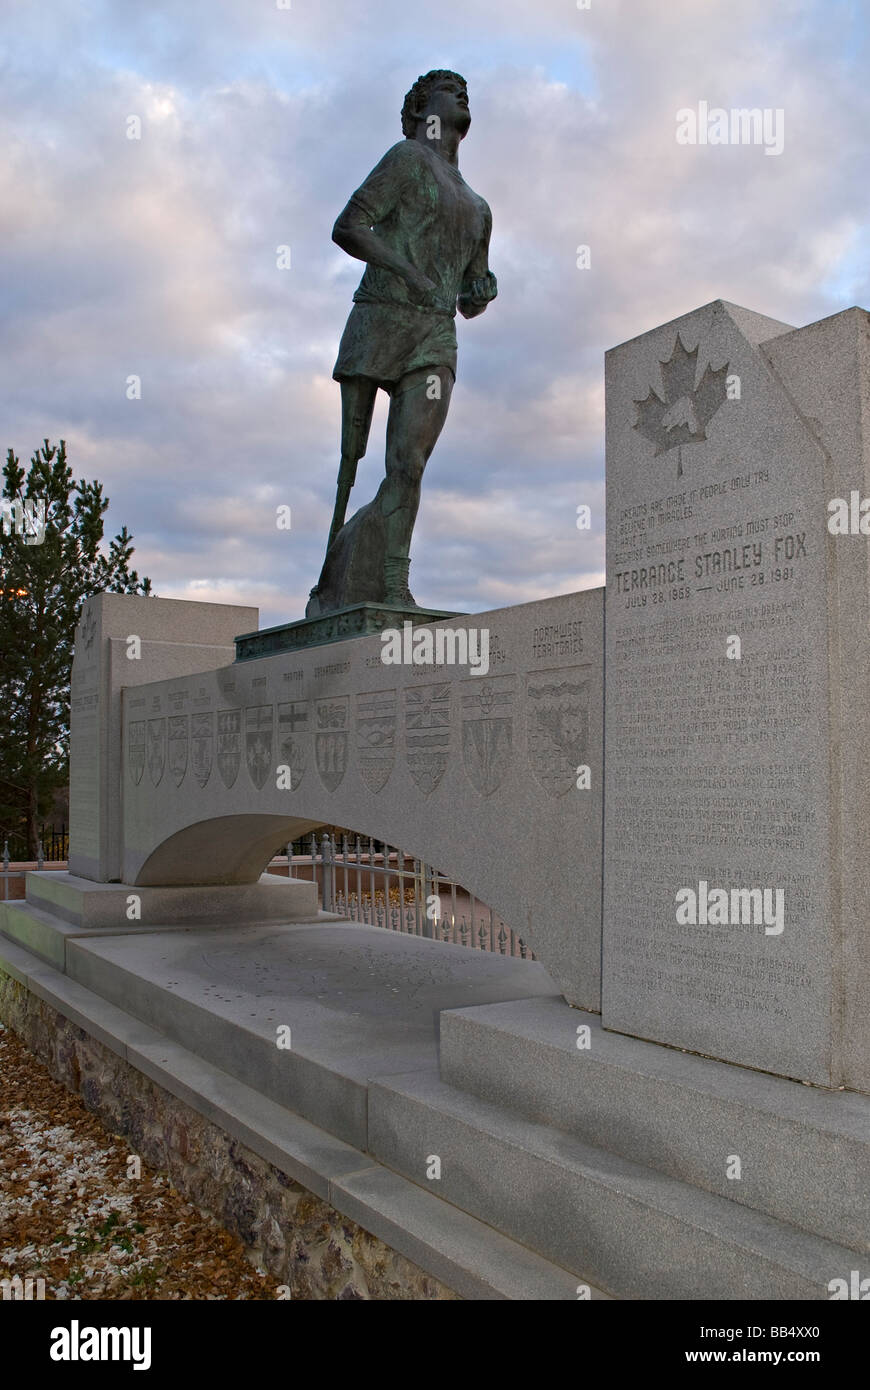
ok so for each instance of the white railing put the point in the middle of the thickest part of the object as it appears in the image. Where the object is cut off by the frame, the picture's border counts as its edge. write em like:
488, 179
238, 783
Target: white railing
384, 887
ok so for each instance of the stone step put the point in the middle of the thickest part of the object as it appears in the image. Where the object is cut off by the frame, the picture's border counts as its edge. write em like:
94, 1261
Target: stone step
804, 1151
47, 935
273, 898
633, 1232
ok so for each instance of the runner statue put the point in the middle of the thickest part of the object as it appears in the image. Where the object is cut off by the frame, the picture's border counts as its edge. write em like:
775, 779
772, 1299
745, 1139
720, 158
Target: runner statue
424, 235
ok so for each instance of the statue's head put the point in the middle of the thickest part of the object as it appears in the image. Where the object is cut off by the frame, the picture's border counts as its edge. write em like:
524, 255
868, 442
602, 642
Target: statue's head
438, 93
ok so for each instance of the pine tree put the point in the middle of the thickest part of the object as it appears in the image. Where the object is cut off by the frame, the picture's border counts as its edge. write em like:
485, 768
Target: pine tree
42, 587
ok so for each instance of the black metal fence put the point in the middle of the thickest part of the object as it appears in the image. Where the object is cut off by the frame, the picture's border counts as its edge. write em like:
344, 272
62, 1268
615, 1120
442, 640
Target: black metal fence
53, 839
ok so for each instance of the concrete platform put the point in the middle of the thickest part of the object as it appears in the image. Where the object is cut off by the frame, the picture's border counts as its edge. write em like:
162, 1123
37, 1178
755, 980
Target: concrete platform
361, 1003
468, 1256
604, 1165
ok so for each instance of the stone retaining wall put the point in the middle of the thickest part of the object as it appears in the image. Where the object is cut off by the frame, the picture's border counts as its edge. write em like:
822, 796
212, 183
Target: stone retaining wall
299, 1238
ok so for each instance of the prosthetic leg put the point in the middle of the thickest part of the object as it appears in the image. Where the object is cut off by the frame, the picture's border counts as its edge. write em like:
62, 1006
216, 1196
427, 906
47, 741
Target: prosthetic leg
357, 405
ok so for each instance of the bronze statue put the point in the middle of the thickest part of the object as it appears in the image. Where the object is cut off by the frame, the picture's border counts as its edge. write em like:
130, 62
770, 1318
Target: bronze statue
424, 235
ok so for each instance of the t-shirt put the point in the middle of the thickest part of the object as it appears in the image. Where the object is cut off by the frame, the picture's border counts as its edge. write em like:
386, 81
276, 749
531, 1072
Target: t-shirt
422, 208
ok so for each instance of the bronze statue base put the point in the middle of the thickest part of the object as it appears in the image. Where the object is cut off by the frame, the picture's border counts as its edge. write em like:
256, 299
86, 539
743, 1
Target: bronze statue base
357, 620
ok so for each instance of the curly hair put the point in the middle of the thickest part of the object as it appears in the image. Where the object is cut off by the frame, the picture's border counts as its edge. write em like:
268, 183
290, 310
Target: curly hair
419, 95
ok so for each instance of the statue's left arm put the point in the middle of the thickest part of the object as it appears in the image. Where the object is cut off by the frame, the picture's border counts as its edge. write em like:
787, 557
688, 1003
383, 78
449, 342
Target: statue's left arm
479, 285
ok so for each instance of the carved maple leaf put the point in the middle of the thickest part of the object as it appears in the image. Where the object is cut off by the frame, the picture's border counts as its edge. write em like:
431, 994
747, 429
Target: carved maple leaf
682, 417
89, 627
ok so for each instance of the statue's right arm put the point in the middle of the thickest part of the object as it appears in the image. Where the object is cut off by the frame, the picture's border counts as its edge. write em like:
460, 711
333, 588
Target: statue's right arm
353, 233
371, 204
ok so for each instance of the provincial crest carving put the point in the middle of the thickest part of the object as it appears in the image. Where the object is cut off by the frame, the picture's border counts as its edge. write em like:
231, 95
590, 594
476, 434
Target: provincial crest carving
558, 727
487, 730
330, 740
178, 741
258, 742
427, 733
376, 719
293, 738
136, 749
229, 745
156, 749
202, 745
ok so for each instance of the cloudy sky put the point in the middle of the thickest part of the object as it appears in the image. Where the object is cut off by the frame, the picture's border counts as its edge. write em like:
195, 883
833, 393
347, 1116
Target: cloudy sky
157, 257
